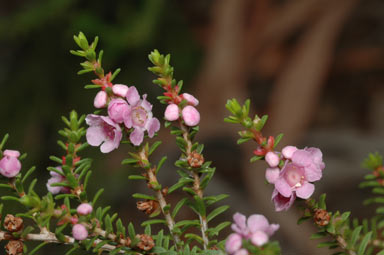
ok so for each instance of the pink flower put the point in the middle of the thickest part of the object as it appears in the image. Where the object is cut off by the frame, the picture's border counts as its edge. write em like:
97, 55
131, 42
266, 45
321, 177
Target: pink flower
120, 90
272, 159
84, 209
55, 178
190, 99
139, 117
102, 130
116, 109
172, 112
79, 232
190, 115
296, 177
233, 243
256, 228
282, 203
10, 165
100, 99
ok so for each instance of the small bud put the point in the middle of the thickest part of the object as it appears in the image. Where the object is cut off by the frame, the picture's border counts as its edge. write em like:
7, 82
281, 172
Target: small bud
190, 99
321, 217
100, 99
272, 174
233, 243
79, 232
12, 223
146, 242
120, 90
172, 112
190, 115
195, 159
272, 159
148, 206
10, 165
84, 209
14, 247
288, 151
117, 109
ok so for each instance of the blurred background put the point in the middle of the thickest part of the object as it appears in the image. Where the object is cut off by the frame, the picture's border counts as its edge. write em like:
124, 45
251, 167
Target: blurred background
315, 66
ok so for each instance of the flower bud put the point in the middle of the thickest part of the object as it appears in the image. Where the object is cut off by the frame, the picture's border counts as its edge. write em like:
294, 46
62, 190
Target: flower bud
272, 174
100, 99
272, 159
12, 223
242, 252
79, 232
190, 99
191, 116
288, 151
146, 242
233, 243
10, 165
120, 90
14, 247
117, 109
172, 112
84, 209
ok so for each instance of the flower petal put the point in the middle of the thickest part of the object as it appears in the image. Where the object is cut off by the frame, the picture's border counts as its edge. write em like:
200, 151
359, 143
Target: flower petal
95, 135
154, 126
257, 222
259, 238
136, 136
306, 190
283, 187
302, 158
133, 96
272, 174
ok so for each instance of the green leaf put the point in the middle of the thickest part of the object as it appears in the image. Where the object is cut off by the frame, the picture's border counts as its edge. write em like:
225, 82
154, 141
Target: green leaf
3, 141
178, 206
182, 182
131, 231
278, 139
136, 177
160, 164
28, 173
216, 212
143, 196
154, 221
255, 158
364, 243
38, 247
318, 235
321, 203
154, 147
129, 161
354, 237
97, 195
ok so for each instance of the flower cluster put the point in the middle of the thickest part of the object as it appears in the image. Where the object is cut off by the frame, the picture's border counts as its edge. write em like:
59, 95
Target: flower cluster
189, 113
256, 229
10, 164
300, 168
126, 110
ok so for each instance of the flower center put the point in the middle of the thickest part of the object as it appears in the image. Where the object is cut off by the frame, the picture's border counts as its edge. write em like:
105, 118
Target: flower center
109, 131
139, 116
294, 176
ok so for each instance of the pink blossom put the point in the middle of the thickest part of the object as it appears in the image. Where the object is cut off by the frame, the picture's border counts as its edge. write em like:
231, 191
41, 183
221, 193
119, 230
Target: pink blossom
79, 232
84, 209
172, 112
256, 228
56, 178
233, 243
102, 130
282, 203
190, 99
116, 109
10, 165
139, 117
100, 99
120, 90
272, 159
190, 115
296, 176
